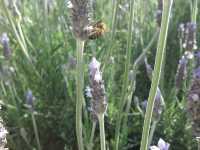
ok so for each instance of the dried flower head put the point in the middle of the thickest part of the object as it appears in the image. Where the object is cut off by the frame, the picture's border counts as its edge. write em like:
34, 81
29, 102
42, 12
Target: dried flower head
4, 39
80, 18
189, 36
193, 104
181, 71
159, 12
3, 133
162, 145
99, 101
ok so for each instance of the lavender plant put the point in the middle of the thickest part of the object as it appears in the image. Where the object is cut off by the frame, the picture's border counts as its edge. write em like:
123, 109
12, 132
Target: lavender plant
44, 38
80, 22
99, 101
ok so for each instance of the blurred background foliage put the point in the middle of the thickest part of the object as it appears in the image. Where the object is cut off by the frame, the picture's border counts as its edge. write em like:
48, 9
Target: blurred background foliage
50, 73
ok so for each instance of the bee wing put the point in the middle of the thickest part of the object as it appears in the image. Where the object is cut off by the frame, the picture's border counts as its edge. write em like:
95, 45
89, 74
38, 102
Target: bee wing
96, 23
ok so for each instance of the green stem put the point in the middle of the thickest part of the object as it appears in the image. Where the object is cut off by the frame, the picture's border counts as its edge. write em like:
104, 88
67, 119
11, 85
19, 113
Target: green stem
140, 59
153, 127
125, 81
36, 131
157, 72
92, 135
79, 93
194, 11
113, 31
21, 33
102, 131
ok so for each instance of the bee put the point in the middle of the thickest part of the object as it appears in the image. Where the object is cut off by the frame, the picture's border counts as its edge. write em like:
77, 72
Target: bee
97, 30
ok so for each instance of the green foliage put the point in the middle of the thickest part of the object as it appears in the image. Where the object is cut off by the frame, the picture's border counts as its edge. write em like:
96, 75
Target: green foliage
49, 74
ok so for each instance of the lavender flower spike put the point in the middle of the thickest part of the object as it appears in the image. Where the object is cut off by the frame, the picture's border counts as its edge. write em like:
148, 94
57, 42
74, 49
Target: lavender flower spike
193, 103
80, 18
189, 39
99, 101
162, 145
5, 43
181, 71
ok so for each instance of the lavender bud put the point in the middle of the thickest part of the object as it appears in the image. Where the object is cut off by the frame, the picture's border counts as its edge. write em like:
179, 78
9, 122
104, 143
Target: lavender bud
159, 12
197, 56
30, 99
158, 106
162, 145
193, 104
5, 43
3, 133
181, 72
99, 101
80, 18
149, 69
189, 39
181, 30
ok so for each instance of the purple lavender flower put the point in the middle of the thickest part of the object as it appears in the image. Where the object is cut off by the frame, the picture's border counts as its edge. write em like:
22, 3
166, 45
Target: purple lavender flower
193, 103
80, 18
99, 101
30, 99
189, 36
162, 145
158, 105
5, 43
181, 72
197, 56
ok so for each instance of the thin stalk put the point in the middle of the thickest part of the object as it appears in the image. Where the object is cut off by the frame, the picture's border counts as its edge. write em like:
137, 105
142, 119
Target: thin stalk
79, 93
140, 59
36, 131
113, 31
157, 72
92, 135
21, 33
153, 127
126, 79
198, 142
102, 131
